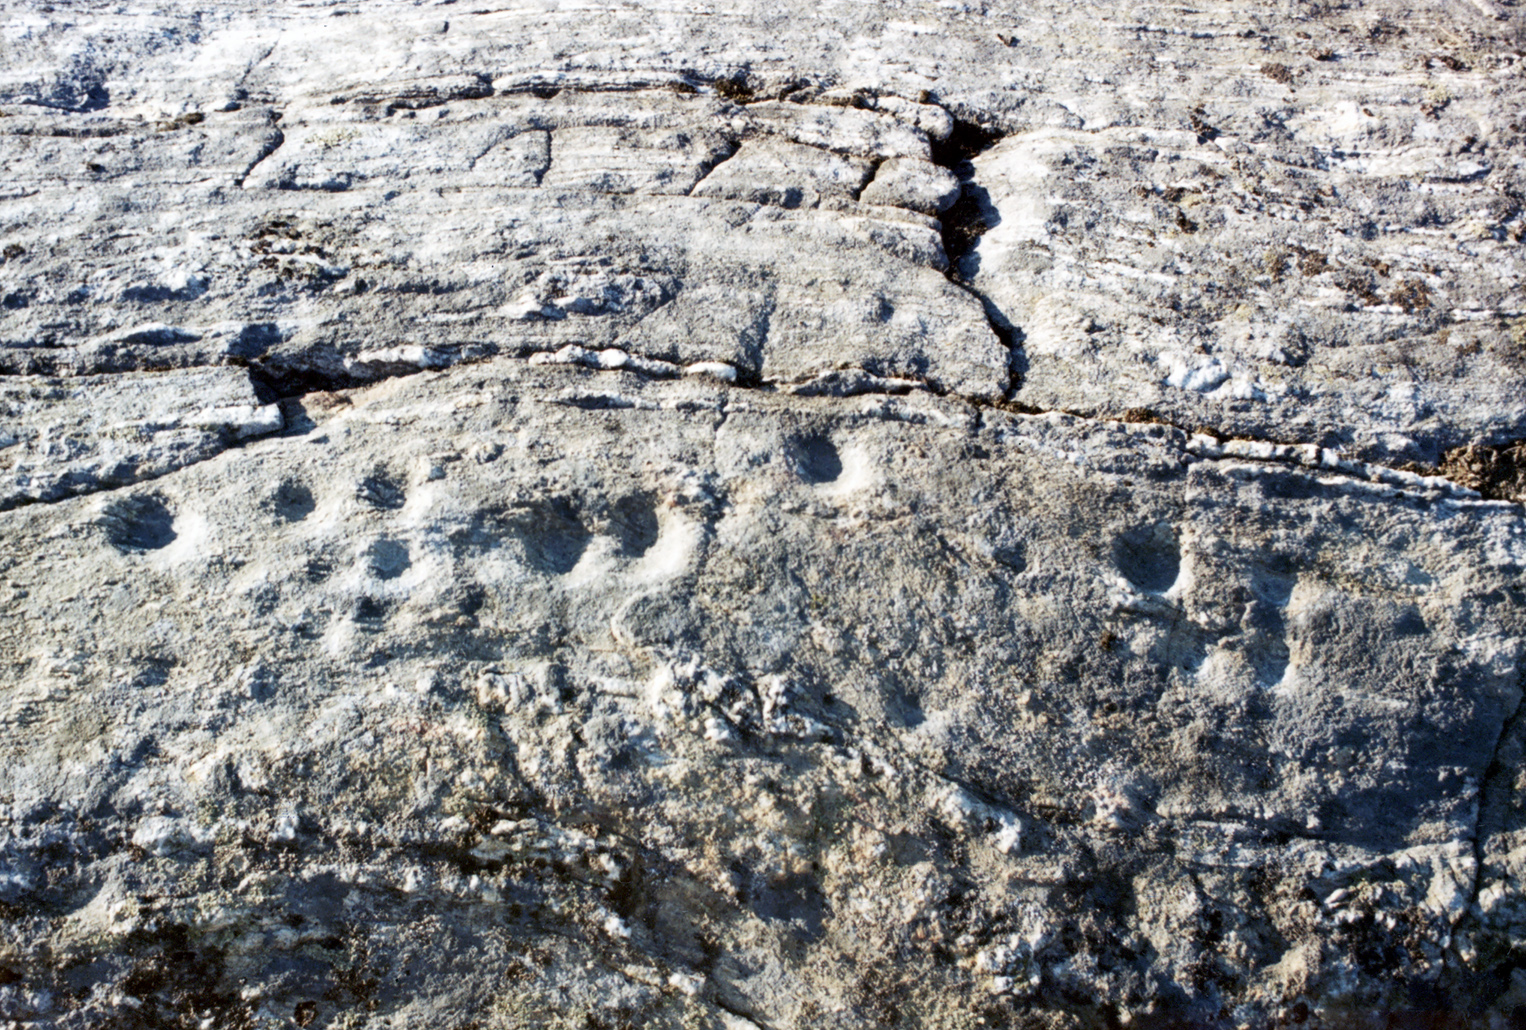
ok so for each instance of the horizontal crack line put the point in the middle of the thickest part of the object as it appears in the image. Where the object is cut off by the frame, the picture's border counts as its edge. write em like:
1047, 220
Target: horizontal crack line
1200, 443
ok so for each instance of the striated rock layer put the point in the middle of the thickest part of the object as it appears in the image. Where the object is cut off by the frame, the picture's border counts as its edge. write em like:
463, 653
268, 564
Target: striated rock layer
903, 513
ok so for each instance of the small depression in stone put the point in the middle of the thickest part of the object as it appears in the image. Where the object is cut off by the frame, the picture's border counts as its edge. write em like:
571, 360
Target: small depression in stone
1149, 557
388, 559
816, 460
554, 537
633, 523
292, 501
136, 524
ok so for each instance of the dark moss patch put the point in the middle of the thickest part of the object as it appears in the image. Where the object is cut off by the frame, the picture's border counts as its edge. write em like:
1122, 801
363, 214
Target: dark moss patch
1411, 295
1498, 473
176, 983
735, 89
1199, 122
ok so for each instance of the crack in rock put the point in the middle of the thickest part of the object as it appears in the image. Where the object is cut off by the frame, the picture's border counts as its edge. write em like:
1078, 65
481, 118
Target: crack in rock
875, 515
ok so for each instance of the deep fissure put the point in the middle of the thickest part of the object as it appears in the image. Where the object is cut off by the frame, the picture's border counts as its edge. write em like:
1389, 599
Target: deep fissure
964, 222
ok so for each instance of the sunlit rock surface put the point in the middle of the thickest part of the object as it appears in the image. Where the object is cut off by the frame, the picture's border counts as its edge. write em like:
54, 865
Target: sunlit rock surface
922, 514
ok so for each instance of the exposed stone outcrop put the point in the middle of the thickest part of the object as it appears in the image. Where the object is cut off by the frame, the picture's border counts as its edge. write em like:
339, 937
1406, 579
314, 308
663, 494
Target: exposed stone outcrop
914, 514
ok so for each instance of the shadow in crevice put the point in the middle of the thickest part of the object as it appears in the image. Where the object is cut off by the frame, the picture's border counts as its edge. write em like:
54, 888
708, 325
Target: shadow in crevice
964, 222
969, 218
965, 141
972, 214
255, 340
633, 523
1011, 336
97, 98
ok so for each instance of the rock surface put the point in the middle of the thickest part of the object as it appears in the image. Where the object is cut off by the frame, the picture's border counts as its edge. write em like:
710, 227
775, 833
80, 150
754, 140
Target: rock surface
923, 514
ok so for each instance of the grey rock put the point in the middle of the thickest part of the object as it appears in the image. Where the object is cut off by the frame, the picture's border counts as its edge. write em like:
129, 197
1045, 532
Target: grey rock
961, 664
785, 175
80, 435
920, 514
910, 183
1376, 295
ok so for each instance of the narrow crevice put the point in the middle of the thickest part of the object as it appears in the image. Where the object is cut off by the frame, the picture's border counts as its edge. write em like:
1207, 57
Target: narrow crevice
286, 384
963, 144
968, 218
272, 385
874, 171
964, 222
1497, 789
272, 143
1493, 472
1011, 337
710, 166
751, 379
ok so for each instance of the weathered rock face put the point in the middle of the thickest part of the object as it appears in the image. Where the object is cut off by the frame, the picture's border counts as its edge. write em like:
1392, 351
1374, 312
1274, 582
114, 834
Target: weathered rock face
881, 514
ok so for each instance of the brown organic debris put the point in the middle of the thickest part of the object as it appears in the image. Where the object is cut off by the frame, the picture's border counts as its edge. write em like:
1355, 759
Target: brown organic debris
1497, 472
1411, 295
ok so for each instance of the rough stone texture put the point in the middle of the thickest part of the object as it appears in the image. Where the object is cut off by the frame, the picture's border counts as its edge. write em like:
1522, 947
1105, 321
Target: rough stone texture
909, 513
919, 185
65, 436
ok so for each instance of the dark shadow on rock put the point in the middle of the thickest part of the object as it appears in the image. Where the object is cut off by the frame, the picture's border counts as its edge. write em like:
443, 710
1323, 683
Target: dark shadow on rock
388, 559
97, 98
1011, 336
254, 340
292, 501
554, 537
795, 899
160, 294
83, 99
380, 490
633, 522
137, 524
815, 459
1149, 557
966, 220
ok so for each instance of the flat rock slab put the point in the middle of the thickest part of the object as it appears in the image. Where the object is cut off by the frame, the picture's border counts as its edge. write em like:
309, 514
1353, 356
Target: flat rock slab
751, 667
554, 223
1367, 297
89, 433
915, 513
